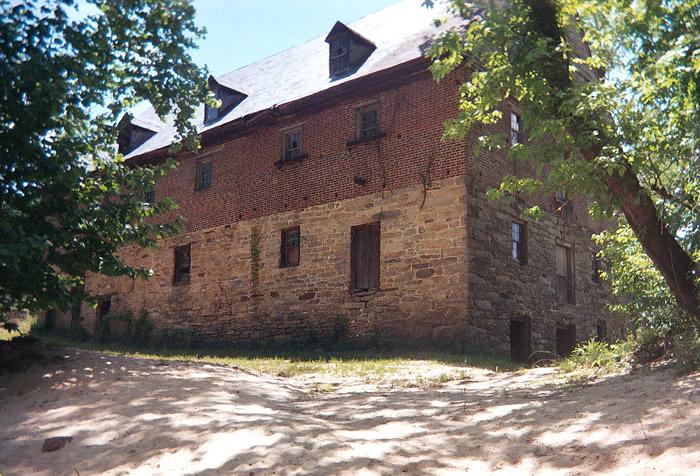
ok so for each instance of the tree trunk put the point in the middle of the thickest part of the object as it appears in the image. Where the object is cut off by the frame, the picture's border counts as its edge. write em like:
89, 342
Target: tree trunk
669, 257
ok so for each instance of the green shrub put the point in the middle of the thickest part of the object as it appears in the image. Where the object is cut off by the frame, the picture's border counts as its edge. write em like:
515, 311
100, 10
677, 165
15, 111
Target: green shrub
108, 323
686, 349
597, 358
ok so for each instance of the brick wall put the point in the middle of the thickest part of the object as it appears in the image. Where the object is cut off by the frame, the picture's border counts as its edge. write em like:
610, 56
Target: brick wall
446, 270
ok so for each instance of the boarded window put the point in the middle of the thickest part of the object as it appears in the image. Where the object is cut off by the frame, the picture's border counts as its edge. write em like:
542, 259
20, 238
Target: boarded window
367, 122
182, 265
518, 235
203, 175
516, 129
520, 340
364, 256
565, 275
566, 340
292, 144
289, 252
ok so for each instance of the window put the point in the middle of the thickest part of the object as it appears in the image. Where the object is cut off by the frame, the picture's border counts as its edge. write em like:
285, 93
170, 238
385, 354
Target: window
516, 129
292, 144
182, 265
289, 250
596, 268
340, 56
565, 275
518, 242
103, 307
561, 196
367, 122
203, 176
364, 256
150, 196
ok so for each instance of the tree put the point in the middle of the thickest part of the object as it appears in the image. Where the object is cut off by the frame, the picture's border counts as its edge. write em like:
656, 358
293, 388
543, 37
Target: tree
68, 201
616, 117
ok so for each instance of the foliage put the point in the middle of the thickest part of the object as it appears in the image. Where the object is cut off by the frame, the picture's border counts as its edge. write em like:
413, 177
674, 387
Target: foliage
619, 124
598, 358
108, 325
68, 201
142, 329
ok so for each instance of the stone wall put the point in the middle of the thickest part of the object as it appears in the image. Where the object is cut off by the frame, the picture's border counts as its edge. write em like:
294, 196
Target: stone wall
422, 295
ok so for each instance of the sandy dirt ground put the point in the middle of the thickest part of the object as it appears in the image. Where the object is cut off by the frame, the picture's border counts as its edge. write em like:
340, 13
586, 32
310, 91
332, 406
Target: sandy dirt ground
133, 416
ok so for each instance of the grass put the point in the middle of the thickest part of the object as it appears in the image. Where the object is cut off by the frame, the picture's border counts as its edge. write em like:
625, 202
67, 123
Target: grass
593, 358
370, 365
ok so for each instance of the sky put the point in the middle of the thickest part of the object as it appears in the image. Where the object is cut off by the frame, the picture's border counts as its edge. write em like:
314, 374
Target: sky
240, 32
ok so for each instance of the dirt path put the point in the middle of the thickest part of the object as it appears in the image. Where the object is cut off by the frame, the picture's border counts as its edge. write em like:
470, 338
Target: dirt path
132, 416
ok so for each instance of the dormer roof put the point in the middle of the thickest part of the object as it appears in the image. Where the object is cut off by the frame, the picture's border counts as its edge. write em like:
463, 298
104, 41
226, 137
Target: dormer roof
401, 33
341, 28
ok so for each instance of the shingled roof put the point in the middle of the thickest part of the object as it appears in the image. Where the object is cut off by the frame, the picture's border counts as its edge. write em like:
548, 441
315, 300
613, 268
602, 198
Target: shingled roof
400, 33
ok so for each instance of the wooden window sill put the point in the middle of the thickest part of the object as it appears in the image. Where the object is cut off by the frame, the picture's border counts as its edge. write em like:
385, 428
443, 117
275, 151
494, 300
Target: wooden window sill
282, 162
366, 140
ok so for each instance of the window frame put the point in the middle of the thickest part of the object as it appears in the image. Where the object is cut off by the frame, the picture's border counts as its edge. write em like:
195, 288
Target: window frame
516, 135
521, 257
361, 133
284, 248
199, 183
286, 133
339, 64
178, 270
570, 285
370, 256
149, 196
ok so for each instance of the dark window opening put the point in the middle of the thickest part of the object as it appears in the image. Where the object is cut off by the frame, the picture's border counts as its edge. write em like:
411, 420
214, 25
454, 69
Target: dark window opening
566, 340
520, 340
149, 197
50, 320
204, 175
364, 256
561, 196
182, 265
601, 331
292, 144
518, 235
103, 307
367, 122
289, 253
596, 268
340, 56
565, 283
516, 129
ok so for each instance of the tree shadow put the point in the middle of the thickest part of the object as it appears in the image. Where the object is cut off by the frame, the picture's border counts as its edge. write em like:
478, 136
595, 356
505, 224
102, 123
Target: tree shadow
132, 415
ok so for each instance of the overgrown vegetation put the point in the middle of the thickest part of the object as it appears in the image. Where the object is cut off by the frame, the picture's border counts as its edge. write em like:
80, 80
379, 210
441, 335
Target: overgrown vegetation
370, 365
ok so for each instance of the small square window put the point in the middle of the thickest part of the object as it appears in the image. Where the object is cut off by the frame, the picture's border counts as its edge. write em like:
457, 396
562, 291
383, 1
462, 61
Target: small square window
292, 144
182, 265
367, 122
561, 196
518, 242
289, 249
516, 129
204, 175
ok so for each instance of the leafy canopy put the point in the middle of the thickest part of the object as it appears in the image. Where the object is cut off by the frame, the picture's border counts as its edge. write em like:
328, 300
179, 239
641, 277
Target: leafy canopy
625, 100
68, 202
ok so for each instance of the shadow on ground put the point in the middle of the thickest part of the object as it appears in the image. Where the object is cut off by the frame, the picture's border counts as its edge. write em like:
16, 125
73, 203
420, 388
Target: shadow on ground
136, 416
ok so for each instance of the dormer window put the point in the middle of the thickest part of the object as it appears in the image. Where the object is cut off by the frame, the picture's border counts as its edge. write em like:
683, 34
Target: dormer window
133, 132
340, 56
228, 97
348, 50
